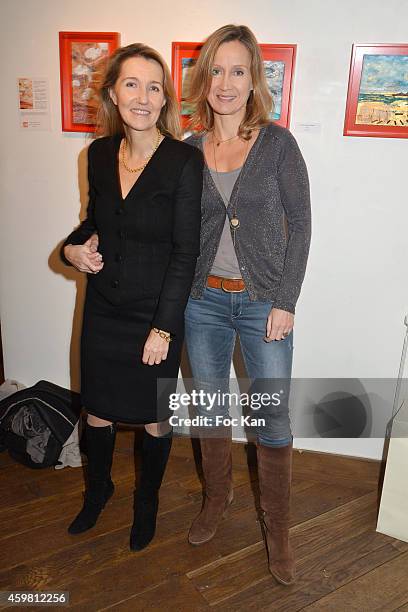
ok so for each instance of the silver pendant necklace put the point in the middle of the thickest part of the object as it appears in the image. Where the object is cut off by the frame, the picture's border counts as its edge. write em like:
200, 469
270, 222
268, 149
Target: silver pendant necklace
234, 221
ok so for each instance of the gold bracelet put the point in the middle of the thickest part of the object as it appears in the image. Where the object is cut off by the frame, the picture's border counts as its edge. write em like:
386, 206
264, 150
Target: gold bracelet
165, 335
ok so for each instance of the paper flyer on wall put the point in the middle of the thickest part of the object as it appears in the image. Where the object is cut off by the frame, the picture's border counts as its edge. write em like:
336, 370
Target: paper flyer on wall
33, 103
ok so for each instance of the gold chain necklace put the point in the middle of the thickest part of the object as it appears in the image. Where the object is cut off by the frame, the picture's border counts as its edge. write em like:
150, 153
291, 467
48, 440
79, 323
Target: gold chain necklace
123, 147
226, 140
234, 221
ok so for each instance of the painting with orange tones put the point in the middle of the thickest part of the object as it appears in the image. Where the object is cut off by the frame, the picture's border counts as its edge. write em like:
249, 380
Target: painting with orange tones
83, 58
26, 97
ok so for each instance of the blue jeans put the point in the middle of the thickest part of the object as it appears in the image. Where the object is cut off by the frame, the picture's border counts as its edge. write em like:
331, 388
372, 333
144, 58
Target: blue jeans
211, 326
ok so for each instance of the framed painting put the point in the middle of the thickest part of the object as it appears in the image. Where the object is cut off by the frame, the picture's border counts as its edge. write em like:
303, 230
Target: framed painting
82, 59
183, 57
279, 62
377, 98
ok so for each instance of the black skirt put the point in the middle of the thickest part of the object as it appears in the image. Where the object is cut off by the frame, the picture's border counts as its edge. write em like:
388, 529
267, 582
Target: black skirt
115, 384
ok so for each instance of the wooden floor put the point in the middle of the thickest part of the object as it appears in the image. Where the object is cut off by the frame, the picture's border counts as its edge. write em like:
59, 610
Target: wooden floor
342, 563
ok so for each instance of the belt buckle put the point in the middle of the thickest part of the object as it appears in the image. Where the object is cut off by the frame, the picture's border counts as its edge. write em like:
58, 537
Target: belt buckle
230, 290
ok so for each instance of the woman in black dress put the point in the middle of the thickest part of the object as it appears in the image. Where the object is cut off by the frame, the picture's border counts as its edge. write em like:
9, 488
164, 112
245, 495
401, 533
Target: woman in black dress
138, 245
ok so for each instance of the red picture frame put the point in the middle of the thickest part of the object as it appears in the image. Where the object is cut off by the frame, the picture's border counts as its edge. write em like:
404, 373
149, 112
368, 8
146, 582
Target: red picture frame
377, 97
279, 63
82, 58
182, 52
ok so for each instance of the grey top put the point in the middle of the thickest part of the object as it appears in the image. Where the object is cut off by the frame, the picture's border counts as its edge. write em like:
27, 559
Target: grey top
225, 262
274, 187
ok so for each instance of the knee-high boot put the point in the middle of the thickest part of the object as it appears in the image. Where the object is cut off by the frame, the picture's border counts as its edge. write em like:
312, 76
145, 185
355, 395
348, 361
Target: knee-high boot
274, 472
100, 443
218, 493
155, 454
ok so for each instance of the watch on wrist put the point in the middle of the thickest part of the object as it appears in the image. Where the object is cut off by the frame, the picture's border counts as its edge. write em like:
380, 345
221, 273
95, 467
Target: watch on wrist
165, 335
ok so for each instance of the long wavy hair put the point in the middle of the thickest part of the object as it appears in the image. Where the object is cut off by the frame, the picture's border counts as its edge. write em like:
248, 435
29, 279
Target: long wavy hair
260, 101
109, 121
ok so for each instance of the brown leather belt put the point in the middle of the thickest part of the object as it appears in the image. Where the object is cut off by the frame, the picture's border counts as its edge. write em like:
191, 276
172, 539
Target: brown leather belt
231, 285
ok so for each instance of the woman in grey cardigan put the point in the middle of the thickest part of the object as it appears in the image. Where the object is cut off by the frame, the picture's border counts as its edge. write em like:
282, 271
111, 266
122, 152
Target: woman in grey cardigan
254, 246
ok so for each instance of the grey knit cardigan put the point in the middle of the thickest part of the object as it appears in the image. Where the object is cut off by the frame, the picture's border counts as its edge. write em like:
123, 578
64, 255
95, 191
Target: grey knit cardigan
272, 202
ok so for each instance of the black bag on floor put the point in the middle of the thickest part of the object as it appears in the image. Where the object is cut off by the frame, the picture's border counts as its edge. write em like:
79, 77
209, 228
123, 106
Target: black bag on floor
36, 422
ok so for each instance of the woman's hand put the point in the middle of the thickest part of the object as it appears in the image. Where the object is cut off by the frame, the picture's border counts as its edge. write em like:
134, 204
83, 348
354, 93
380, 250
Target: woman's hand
85, 257
279, 324
155, 349
94, 243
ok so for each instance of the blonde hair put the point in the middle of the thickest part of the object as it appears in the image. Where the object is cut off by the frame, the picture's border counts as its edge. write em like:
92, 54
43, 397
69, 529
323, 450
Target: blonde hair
260, 101
109, 121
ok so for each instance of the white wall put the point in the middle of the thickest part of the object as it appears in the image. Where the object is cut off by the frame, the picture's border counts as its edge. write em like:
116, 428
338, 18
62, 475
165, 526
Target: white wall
349, 321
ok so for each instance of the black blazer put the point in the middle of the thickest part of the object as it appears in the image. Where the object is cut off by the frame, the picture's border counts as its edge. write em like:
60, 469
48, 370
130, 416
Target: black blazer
151, 239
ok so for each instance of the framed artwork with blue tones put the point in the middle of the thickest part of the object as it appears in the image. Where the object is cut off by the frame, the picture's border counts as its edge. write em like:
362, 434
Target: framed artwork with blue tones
279, 63
377, 99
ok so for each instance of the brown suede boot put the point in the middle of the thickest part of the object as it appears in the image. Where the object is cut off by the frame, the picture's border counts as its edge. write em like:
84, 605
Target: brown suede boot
217, 468
274, 473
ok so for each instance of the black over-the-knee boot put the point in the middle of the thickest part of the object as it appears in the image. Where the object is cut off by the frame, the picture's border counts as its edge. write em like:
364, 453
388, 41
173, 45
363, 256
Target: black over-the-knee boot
155, 453
100, 443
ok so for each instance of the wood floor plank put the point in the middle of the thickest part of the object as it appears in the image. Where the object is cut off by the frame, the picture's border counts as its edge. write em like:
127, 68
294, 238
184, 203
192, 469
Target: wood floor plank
5, 461
47, 478
88, 549
118, 515
311, 586
120, 572
346, 471
384, 588
104, 549
70, 480
331, 550
224, 582
25, 485
174, 595
46, 512
333, 530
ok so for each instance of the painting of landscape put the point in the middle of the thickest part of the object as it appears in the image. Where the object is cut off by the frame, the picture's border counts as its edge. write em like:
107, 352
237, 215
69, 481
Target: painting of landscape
383, 95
